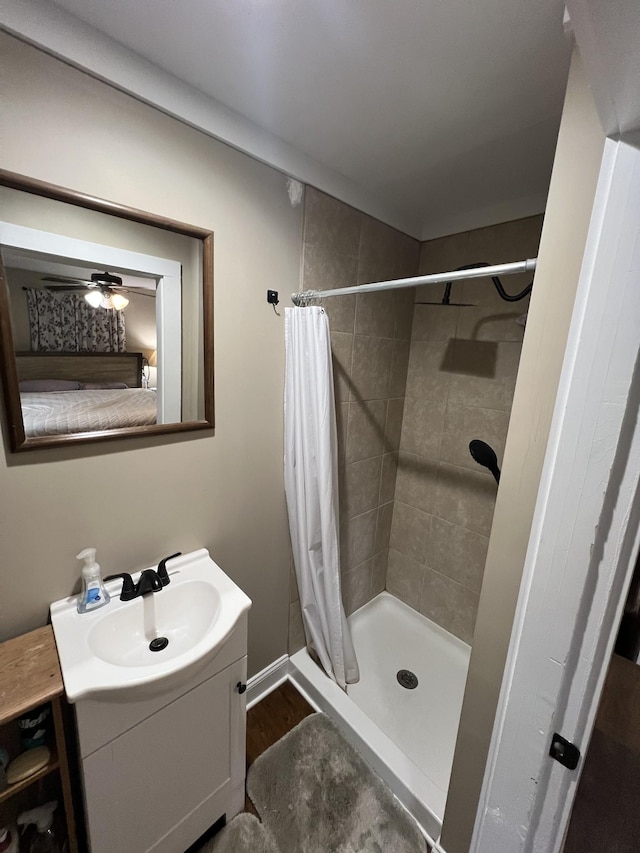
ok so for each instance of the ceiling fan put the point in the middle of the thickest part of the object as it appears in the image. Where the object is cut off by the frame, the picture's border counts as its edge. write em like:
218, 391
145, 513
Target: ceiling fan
105, 289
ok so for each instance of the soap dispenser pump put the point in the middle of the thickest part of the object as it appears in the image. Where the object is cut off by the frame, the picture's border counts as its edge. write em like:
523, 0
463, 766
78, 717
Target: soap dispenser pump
94, 593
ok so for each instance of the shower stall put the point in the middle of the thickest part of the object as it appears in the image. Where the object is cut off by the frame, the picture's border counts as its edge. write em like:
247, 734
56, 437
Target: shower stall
415, 384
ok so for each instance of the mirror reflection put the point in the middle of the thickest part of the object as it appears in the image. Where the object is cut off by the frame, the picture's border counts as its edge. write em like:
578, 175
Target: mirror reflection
85, 345
107, 318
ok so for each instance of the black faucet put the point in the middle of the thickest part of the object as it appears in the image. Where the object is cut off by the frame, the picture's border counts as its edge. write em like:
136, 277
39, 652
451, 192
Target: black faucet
150, 580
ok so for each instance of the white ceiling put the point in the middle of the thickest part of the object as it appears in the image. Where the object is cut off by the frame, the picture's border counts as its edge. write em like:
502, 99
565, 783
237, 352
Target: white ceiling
446, 111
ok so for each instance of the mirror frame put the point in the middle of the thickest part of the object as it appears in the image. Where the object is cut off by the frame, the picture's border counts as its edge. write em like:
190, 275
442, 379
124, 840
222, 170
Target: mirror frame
8, 372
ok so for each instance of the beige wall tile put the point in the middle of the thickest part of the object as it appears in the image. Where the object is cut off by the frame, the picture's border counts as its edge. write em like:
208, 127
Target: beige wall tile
357, 539
410, 531
361, 486
417, 481
383, 528
379, 572
356, 586
404, 306
366, 430
458, 553
492, 323
380, 251
331, 224
464, 423
342, 247
422, 427
376, 314
465, 497
371, 367
508, 241
490, 393
449, 604
297, 639
399, 366
434, 322
388, 478
341, 355
342, 422
409, 256
426, 380
341, 311
443, 255
325, 270
405, 578
393, 424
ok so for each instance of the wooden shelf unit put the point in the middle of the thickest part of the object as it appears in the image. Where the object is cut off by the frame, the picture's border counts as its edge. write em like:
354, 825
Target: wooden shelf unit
30, 676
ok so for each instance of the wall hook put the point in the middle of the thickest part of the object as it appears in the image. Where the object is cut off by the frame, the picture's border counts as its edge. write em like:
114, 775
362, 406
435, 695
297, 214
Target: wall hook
272, 299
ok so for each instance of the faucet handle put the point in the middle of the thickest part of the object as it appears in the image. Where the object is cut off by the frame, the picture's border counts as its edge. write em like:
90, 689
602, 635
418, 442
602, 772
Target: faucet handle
128, 587
163, 574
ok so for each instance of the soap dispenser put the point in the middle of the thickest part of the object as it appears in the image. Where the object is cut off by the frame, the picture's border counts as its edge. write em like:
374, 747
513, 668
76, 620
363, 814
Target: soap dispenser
94, 593
44, 841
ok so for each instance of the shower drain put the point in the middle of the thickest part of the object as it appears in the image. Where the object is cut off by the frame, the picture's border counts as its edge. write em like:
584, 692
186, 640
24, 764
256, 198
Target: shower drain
407, 679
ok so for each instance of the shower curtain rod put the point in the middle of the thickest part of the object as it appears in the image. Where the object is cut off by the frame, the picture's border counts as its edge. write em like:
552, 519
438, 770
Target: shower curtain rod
434, 278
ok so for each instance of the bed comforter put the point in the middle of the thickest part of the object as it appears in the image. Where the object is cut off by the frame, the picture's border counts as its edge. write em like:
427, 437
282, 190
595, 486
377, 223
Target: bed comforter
64, 412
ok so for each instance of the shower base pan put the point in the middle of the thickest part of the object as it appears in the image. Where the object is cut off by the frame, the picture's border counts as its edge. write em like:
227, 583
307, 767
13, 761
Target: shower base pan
406, 732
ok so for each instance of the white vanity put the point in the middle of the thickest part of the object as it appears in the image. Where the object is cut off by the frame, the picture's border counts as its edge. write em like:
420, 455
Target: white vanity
161, 733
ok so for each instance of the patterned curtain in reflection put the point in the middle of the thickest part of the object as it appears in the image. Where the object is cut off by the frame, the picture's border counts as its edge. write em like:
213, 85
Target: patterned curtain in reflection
65, 322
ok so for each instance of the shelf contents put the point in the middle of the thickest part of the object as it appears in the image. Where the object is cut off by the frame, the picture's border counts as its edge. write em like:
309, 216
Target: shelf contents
28, 763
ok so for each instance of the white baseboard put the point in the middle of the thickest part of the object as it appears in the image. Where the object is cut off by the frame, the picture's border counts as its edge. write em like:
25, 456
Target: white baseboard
265, 681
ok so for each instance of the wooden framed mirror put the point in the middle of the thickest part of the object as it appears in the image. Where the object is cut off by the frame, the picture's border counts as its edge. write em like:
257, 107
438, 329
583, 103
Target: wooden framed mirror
106, 319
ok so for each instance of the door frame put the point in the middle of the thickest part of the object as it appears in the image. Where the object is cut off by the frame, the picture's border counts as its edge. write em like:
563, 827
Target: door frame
584, 537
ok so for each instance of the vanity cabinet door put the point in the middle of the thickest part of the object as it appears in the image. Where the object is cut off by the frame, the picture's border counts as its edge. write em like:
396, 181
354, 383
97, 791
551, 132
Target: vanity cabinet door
161, 784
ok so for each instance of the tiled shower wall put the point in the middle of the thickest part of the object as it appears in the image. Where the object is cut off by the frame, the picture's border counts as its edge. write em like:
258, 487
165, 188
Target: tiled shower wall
370, 340
461, 377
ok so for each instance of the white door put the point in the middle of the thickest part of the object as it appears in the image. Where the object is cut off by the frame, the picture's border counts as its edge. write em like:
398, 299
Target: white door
584, 539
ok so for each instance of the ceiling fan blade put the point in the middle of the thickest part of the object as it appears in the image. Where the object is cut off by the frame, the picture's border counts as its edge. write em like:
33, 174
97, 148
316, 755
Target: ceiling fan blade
67, 280
61, 288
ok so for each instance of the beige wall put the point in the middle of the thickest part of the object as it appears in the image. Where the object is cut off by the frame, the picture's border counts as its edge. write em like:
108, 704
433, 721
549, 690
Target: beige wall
461, 378
139, 500
573, 183
370, 344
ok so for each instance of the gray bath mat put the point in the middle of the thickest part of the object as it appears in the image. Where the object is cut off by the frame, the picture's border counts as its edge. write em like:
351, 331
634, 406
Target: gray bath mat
315, 794
244, 834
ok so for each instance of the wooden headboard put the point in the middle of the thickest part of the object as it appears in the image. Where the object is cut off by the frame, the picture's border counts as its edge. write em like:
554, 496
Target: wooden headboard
81, 366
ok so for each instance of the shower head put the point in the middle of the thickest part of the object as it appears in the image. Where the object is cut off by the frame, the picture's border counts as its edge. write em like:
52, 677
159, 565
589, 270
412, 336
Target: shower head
446, 300
485, 455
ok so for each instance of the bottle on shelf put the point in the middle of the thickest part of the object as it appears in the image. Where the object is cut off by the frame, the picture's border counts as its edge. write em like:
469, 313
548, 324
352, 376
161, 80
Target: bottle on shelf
44, 841
9, 840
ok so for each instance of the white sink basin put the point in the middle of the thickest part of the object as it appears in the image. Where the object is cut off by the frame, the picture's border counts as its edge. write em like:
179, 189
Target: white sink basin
108, 649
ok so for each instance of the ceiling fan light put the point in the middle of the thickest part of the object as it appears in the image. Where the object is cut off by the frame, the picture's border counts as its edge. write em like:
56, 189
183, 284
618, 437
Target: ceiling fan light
107, 300
94, 298
119, 301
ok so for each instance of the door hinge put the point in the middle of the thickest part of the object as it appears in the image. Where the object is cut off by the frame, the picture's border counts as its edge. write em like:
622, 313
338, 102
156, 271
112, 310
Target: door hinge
564, 751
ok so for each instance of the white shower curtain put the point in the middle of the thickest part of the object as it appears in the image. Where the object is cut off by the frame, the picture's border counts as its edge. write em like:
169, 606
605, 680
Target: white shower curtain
311, 486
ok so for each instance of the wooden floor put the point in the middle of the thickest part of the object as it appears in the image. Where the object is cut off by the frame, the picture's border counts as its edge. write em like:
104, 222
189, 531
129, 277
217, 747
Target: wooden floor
271, 719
